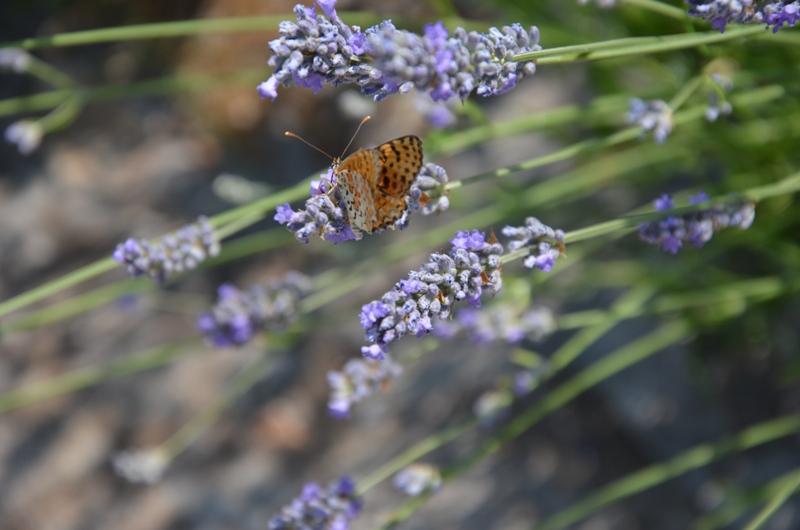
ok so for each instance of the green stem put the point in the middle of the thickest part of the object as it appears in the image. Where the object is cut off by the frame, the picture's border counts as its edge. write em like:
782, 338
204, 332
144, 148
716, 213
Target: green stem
687, 90
247, 377
740, 502
629, 305
694, 458
660, 8
614, 105
73, 278
752, 97
76, 305
416, 452
160, 30
600, 371
86, 377
62, 116
233, 250
634, 46
790, 488
734, 294
49, 74
184, 28
171, 85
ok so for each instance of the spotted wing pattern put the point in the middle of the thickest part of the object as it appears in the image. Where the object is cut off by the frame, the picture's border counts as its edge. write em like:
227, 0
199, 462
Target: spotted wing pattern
373, 183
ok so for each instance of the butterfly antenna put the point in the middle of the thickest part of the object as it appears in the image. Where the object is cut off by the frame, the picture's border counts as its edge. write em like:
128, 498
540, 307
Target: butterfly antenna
312, 146
365, 120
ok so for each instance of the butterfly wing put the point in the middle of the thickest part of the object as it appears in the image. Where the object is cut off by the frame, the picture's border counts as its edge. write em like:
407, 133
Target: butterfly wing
353, 177
400, 162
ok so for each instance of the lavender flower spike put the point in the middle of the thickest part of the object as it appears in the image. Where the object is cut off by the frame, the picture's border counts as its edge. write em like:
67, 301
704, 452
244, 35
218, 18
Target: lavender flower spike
239, 315
696, 227
179, 251
318, 509
654, 116
472, 264
545, 243
720, 13
384, 60
358, 380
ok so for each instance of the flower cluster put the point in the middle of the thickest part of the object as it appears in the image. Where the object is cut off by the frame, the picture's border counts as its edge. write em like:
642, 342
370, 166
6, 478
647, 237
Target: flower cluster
325, 212
469, 268
720, 13
179, 251
504, 322
718, 104
384, 60
25, 134
418, 478
544, 243
653, 115
428, 193
359, 379
16, 60
141, 467
238, 315
696, 227
318, 509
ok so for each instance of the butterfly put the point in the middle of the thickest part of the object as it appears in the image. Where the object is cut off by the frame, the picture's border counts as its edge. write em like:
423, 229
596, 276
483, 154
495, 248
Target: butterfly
373, 183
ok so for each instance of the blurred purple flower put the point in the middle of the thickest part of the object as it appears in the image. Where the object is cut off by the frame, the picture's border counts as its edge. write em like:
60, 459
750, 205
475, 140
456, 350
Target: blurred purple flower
695, 227
318, 509
174, 253
239, 315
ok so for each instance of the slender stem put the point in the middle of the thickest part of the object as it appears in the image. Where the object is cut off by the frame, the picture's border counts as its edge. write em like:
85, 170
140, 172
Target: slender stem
634, 46
248, 376
660, 8
416, 452
168, 85
86, 377
614, 363
160, 30
694, 458
684, 93
183, 28
629, 305
790, 488
49, 74
66, 281
77, 305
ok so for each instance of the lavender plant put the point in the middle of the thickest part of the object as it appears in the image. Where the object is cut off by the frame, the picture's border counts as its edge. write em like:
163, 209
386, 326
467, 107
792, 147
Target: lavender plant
252, 415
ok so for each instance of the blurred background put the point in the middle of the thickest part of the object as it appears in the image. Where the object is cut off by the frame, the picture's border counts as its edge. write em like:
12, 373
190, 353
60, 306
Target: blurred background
145, 164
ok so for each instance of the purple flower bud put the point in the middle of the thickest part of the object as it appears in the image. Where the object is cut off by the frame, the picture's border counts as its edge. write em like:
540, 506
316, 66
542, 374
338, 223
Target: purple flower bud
697, 227
358, 380
329, 509
238, 315
173, 253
